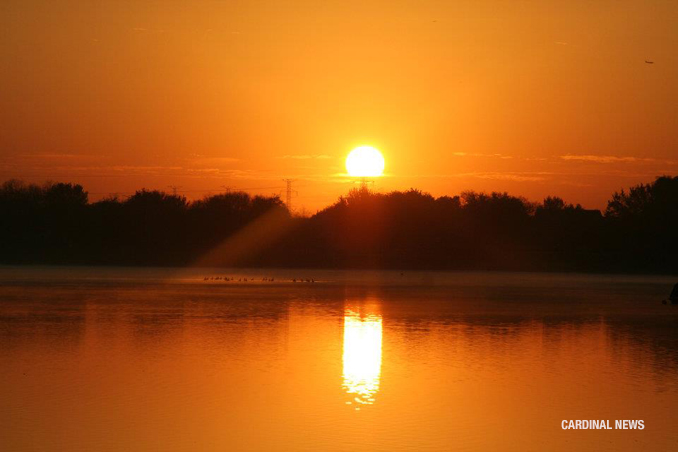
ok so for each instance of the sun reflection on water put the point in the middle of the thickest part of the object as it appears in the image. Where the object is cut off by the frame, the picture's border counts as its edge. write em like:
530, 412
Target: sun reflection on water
362, 356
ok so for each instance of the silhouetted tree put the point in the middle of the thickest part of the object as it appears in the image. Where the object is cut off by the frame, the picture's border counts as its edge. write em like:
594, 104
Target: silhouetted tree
645, 221
54, 223
217, 217
568, 235
41, 223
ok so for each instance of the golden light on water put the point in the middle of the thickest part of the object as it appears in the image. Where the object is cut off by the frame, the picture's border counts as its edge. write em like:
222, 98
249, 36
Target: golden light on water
362, 356
365, 161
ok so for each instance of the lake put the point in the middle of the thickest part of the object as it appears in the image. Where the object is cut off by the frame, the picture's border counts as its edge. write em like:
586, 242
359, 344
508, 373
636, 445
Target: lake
113, 359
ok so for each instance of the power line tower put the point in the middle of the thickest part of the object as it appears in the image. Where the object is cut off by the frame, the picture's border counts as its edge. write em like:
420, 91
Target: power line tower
289, 192
174, 189
365, 183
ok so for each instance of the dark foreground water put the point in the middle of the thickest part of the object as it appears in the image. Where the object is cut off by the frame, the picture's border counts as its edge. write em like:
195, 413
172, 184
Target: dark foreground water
162, 360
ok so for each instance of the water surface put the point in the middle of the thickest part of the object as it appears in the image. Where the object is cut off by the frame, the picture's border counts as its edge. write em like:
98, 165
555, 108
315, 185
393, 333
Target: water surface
162, 359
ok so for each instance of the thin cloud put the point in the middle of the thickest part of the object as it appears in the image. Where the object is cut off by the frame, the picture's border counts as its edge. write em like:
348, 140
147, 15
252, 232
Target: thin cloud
67, 165
516, 177
120, 171
59, 156
478, 154
211, 161
509, 175
605, 158
123, 169
47, 161
306, 156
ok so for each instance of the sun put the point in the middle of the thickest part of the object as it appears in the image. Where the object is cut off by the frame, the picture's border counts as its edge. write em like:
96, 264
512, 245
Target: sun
365, 161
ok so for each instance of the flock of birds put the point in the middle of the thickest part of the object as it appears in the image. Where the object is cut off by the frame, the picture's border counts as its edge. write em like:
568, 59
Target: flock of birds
264, 279
673, 298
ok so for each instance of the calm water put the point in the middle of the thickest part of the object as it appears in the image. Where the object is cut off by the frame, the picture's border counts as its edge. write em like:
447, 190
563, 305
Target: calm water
161, 360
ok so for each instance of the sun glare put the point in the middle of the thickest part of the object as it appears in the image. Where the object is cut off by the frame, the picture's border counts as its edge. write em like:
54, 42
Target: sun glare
362, 356
365, 161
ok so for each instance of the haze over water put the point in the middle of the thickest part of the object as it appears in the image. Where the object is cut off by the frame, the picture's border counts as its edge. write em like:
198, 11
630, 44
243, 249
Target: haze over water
150, 359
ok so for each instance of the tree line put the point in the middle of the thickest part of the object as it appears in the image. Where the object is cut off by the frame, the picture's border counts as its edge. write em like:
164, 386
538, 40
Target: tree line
55, 223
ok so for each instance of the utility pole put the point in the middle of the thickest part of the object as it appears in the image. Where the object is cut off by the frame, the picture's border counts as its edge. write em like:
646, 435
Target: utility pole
174, 189
364, 183
288, 198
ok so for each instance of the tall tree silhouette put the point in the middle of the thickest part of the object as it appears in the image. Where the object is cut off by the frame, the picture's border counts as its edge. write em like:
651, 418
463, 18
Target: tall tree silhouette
645, 219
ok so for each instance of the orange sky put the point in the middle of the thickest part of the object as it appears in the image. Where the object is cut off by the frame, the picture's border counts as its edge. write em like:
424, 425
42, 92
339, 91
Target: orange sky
529, 97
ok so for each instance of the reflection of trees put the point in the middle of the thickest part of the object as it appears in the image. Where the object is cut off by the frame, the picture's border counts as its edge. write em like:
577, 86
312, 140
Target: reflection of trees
627, 318
497, 312
60, 312
42, 313
656, 338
